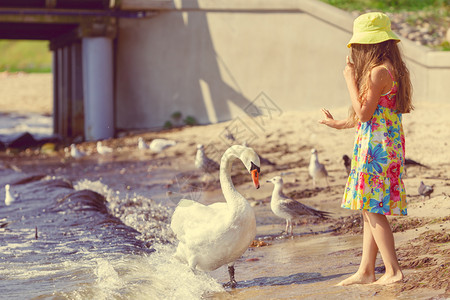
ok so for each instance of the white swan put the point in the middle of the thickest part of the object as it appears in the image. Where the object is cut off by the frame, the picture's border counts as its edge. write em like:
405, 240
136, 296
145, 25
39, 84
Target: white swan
211, 236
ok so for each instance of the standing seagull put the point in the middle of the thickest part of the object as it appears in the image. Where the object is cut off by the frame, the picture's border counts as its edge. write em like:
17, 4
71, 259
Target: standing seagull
425, 190
289, 209
316, 169
204, 163
75, 153
9, 198
103, 149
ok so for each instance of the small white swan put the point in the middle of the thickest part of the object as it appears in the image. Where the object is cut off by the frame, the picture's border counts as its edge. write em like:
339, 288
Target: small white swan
316, 169
142, 145
75, 153
9, 198
211, 236
158, 145
103, 149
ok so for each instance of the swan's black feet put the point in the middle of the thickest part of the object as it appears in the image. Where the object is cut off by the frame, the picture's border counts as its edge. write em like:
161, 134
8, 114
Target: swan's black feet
232, 283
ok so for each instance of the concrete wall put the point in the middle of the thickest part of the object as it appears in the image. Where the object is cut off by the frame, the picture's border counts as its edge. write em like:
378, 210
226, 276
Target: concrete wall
430, 72
212, 59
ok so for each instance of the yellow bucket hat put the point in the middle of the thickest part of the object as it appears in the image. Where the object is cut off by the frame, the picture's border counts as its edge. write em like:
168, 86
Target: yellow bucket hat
372, 28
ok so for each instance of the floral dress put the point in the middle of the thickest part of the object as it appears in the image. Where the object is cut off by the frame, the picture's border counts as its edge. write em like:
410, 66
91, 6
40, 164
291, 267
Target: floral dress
375, 182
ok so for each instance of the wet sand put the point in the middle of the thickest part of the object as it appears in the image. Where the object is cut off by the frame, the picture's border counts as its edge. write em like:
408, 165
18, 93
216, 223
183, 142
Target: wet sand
321, 253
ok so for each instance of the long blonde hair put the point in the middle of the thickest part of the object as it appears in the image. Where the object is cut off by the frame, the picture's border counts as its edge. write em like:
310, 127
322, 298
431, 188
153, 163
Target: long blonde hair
367, 56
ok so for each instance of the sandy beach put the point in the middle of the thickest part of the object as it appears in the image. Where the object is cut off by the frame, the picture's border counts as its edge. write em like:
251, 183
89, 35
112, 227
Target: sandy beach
322, 252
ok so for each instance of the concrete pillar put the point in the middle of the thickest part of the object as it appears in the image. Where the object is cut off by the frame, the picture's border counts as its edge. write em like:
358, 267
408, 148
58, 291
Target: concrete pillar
98, 88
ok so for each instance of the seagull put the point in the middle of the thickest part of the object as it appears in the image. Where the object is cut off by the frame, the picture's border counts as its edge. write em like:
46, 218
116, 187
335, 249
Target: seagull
289, 209
158, 145
103, 149
142, 145
347, 163
204, 163
425, 190
75, 153
9, 198
316, 169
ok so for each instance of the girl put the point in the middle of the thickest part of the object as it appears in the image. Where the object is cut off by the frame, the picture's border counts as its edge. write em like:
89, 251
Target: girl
380, 91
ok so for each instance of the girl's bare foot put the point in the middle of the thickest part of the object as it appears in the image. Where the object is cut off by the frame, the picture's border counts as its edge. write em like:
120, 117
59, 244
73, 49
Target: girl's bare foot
390, 278
357, 278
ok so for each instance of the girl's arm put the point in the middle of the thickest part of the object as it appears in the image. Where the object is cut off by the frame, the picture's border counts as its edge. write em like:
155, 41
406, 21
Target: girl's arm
337, 124
378, 81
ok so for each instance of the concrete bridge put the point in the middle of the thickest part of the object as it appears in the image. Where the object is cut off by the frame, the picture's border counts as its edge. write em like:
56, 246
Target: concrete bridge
127, 64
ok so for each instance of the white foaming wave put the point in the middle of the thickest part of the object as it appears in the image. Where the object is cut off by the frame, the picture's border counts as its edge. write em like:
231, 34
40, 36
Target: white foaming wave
152, 276
157, 276
172, 279
108, 283
96, 186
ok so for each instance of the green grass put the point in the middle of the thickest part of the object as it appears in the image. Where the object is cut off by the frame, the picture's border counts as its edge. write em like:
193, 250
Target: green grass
25, 56
391, 5
434, 12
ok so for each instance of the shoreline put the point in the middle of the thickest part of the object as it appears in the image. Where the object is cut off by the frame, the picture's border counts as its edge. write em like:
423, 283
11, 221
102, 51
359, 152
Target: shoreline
288, 266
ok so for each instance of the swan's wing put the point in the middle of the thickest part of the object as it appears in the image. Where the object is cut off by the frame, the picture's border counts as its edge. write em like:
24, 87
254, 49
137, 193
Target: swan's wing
194, 221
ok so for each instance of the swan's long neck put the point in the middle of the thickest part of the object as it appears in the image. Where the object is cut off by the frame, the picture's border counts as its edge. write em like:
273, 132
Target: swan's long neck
235, 200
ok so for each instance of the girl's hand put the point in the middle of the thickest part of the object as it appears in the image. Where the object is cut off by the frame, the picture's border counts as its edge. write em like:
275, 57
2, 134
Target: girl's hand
329, 120
349, 70
337, 124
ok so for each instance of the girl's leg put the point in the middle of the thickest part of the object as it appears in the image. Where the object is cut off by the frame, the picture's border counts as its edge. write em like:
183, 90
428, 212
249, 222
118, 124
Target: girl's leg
384, 238
366, 271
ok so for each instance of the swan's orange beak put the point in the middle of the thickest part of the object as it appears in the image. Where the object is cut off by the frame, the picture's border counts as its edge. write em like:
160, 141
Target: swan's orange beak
255, 177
